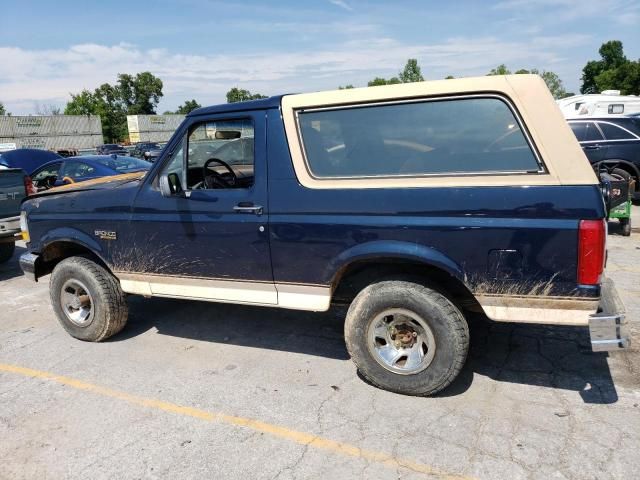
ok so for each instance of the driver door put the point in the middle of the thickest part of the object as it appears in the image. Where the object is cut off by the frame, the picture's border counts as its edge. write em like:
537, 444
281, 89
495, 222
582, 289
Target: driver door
208, 238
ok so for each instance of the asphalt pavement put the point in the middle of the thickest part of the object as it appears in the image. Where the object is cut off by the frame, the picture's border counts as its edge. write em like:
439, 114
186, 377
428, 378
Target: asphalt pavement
204, 390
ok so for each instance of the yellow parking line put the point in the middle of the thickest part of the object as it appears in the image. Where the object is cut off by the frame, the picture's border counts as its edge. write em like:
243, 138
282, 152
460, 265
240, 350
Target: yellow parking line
274, 430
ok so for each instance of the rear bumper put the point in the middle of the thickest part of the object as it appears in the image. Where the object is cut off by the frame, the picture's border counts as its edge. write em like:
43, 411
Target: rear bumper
608, 327
28, 265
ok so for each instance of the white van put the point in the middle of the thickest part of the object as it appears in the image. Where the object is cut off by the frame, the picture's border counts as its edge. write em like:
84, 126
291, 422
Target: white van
609, 102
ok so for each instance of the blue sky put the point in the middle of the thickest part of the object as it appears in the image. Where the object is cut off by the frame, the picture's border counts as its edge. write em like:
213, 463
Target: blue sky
201, 48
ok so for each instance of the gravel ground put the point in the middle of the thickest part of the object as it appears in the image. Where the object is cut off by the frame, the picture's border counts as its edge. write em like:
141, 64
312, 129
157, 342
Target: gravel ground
201, 390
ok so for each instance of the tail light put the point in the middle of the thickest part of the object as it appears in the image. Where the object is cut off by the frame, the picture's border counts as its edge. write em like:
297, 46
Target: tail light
28, 186
591, 251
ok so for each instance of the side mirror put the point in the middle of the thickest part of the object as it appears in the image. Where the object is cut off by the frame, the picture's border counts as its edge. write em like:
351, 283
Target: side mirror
170, 185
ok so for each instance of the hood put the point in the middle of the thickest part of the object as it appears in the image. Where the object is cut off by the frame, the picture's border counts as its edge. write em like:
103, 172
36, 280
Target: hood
113, 181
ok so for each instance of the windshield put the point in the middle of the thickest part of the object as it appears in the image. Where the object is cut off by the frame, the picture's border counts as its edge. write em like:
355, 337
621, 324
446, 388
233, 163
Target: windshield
123, 164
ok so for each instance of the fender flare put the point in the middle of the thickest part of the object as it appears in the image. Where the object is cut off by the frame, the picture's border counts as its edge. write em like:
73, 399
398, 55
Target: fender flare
392, 249
74, 236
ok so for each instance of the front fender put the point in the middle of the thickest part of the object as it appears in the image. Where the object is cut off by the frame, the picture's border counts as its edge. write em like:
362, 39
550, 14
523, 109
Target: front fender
71, 235
392, 249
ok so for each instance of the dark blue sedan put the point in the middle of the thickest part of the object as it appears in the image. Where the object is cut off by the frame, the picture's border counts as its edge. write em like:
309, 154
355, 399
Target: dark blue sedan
28, 159
78, 169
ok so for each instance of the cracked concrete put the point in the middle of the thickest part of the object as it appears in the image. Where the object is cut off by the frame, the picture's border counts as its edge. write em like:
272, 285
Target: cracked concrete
532, 402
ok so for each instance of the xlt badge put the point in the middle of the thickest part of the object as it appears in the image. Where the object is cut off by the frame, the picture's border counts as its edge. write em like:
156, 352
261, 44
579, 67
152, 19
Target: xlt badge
105, 235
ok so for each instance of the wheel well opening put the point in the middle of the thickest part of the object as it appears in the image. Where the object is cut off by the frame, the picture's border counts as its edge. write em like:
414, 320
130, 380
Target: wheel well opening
55, 252
626, 167
356, 276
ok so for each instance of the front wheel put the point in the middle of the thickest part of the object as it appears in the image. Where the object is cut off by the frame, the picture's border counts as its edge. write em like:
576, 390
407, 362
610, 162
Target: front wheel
87, 299
406, 338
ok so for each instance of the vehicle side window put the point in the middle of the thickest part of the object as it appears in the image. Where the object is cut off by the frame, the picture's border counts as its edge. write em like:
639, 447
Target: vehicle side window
586, 131
616, 109
46, 177
579, 130
613, 132
50, 171
175, 165
466, 135
78, 169
592, 134
221, 155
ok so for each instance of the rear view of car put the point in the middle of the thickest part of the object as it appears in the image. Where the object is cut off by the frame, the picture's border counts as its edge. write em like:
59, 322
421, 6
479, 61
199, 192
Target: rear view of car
111, 148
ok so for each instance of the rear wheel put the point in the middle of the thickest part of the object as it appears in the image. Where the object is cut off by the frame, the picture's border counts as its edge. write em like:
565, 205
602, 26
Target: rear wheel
406, 338
87, 299
6, 251
625, 223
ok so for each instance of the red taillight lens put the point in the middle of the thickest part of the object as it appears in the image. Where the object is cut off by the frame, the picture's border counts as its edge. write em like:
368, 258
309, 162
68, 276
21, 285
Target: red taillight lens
591, 249
28, 186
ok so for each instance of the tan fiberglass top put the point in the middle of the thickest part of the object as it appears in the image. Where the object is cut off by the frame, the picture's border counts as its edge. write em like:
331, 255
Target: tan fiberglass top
561, 154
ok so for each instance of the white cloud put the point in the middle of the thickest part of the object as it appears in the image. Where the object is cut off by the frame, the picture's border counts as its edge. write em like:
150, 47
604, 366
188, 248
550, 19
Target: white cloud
342, 4
48, 76
562, 11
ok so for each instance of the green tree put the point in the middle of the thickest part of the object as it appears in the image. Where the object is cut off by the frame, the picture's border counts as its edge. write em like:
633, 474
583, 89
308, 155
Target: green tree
3, 111
83, 103
554, 84
449, 77
139, 95
411, 72
189, 106
112, 111
376, 82
500, 70
553, 81
614, 71
241, 95
130, 95
346, 87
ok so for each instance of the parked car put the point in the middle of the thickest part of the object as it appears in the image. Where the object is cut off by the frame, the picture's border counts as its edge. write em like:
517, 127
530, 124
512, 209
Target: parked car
153, 154
415, 204
28, 159
79, 169
111, 148
15, 185
142, 149
612, 141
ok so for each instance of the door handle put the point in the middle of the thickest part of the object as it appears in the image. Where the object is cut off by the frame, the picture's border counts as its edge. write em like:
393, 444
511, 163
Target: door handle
248, 208
592, 147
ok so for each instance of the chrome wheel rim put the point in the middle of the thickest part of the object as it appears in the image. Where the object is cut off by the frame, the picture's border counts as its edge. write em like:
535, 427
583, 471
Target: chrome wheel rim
401, 341
76, 303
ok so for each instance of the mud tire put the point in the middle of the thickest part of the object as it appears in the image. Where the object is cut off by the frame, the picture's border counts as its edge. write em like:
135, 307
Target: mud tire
109, 304
448, 325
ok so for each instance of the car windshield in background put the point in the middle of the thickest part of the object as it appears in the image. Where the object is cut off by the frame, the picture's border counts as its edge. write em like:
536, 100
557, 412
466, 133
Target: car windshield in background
123, 164
468, 135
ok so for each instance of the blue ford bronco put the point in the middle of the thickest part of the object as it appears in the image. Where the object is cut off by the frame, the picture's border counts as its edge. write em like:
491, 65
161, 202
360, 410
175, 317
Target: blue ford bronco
415, 203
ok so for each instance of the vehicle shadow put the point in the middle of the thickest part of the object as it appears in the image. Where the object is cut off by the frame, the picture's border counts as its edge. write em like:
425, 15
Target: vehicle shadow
547, 356
553, 357
318, 334
11, 269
